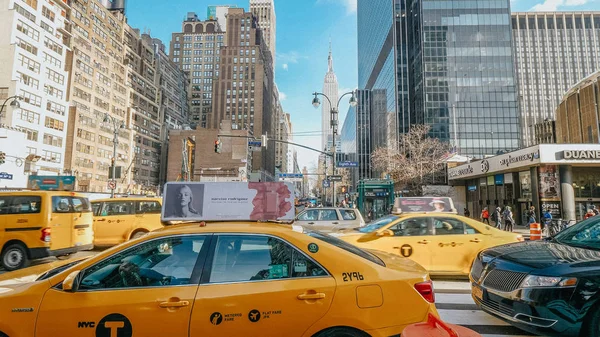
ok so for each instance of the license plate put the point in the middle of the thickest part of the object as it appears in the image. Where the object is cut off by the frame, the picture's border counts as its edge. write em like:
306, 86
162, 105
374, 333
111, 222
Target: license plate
477, 292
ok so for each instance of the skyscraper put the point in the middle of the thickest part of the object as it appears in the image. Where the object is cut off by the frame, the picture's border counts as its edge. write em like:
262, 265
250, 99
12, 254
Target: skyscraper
330, 89
34, 45
453, 68
196, 49
553, 52
264, 11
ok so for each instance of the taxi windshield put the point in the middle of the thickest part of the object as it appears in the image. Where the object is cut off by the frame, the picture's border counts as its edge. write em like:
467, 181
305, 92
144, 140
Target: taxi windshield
345, 246
377, 224
585, 234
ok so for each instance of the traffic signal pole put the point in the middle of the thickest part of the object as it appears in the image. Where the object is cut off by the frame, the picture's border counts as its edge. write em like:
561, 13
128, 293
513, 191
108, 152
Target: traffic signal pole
278, 141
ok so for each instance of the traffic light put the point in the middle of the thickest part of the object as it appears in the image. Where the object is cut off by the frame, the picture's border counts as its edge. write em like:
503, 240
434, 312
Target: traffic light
2, 158
218, 146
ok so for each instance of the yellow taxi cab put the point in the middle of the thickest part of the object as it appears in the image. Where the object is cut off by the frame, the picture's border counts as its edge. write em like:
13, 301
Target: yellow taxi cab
223, 278
443, 242
117, 220
38, 224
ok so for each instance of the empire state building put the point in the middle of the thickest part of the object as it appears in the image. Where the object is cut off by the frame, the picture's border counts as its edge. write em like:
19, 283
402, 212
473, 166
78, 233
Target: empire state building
330, 88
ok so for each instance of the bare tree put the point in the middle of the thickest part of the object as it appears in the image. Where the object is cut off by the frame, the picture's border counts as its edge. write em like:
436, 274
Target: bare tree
418, 160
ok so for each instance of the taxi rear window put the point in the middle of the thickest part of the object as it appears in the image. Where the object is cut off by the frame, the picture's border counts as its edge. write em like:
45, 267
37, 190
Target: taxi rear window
346, 246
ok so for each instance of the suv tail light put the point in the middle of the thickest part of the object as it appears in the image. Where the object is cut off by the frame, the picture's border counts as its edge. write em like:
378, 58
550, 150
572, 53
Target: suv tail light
45, 235
426, 290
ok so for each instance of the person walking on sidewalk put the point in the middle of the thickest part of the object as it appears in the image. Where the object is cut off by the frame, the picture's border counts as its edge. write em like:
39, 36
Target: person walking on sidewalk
507, 215
531, 215
497, 217
485, 215
467, 213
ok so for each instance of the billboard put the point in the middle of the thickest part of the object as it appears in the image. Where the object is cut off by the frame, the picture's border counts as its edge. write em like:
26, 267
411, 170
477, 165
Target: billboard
424, 205
231, 201
549, 183
51, 183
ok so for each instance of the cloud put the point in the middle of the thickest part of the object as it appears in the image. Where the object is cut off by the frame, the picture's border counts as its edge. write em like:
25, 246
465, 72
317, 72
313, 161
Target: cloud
290, 57
349, 4
285, 66
282, 96
553, 5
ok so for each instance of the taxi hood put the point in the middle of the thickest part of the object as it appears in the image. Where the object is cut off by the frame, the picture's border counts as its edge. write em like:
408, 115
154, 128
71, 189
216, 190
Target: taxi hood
30, 275
397, 262
540, 254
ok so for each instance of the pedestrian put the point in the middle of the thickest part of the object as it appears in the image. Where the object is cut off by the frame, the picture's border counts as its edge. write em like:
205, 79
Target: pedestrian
507, 215
595, 210
546, 219
467, 213
485, 215
589, 214
531, 215
494, 217
498, 212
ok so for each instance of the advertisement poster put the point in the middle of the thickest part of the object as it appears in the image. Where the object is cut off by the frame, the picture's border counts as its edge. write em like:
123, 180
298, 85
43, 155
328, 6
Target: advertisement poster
525, 181
195, 201
549, 183
51, 183
424, 204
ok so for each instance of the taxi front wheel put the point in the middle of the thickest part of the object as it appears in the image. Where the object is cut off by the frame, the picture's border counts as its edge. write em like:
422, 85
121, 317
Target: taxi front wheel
591, 328
341, 332
14, 257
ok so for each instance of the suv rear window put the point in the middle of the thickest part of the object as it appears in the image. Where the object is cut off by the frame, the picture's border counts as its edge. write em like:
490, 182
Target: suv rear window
346, 246
64, 204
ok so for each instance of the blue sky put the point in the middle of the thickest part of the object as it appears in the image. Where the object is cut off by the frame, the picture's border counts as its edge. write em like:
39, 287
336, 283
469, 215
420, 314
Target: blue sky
303, 31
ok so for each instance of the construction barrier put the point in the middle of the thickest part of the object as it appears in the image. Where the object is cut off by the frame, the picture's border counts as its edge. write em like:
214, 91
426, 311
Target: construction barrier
535, 231
434, 327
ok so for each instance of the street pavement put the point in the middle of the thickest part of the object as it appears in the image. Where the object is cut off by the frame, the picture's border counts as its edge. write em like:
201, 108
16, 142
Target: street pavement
456, 306
51, 259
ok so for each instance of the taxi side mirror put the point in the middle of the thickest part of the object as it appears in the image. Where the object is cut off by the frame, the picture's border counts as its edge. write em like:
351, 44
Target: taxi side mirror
385, 232
70, 283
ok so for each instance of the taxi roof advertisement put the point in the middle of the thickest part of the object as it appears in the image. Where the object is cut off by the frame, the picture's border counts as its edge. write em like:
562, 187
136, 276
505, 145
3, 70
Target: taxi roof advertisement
231, 201
424, 205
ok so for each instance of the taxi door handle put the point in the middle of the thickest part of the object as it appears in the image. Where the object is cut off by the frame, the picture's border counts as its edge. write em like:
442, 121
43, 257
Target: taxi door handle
423, 242
475, 240
335, 223
313, 296
178, 304
311, 223
101, 220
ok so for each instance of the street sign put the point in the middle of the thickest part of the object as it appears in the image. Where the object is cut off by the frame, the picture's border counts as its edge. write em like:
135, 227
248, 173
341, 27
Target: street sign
326, 184
112, 185
291, 177
346, 164
254, 145
4, 175
334, 178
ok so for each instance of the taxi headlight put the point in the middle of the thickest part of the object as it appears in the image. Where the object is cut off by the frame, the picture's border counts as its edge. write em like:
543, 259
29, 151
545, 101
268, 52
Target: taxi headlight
533, 281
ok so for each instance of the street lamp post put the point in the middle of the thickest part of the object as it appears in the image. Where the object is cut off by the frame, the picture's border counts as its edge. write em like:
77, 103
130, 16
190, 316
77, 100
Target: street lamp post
334, 126
117, 126
14, 103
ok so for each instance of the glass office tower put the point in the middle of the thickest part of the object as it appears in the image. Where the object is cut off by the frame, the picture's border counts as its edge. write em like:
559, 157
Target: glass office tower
452, 68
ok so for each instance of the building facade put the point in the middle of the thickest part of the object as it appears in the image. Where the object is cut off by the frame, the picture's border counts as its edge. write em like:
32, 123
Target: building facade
98, 88
34, 48
264, 12
197, 51
553, 52
219, 13
578, 115
444, 64
244, 90
331, 90
284, 133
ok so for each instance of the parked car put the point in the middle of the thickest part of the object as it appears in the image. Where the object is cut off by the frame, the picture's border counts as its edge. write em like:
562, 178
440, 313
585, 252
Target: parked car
330, 219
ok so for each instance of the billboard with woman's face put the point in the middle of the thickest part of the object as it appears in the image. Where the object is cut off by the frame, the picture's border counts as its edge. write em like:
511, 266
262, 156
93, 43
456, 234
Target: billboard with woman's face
194, 201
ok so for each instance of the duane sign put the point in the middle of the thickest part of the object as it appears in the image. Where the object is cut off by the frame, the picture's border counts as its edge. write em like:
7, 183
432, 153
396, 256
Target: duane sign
581, 154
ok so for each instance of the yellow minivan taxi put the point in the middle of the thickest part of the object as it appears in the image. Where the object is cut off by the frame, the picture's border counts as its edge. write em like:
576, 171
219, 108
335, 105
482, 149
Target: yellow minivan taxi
38, 224
222, 279
117, 220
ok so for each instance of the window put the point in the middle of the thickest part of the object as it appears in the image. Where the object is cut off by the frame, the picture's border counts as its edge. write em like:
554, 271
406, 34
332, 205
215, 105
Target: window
62, 204
21, 205
55, 47
157, 263
54, 124
348, 214
32, 3
449, 226
53, 140
147, 207
28, 80
328, 215
258, 258
47, 13
310, 215
55, 77
117, 208
28, 30
52, 60
412, 227
31, 98
27, 46
25, 13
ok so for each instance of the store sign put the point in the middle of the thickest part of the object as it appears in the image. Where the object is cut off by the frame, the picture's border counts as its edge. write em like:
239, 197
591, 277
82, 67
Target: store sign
462, 171
499, 179
553, 207
527, 157
232, 201
472, 188
580, 154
